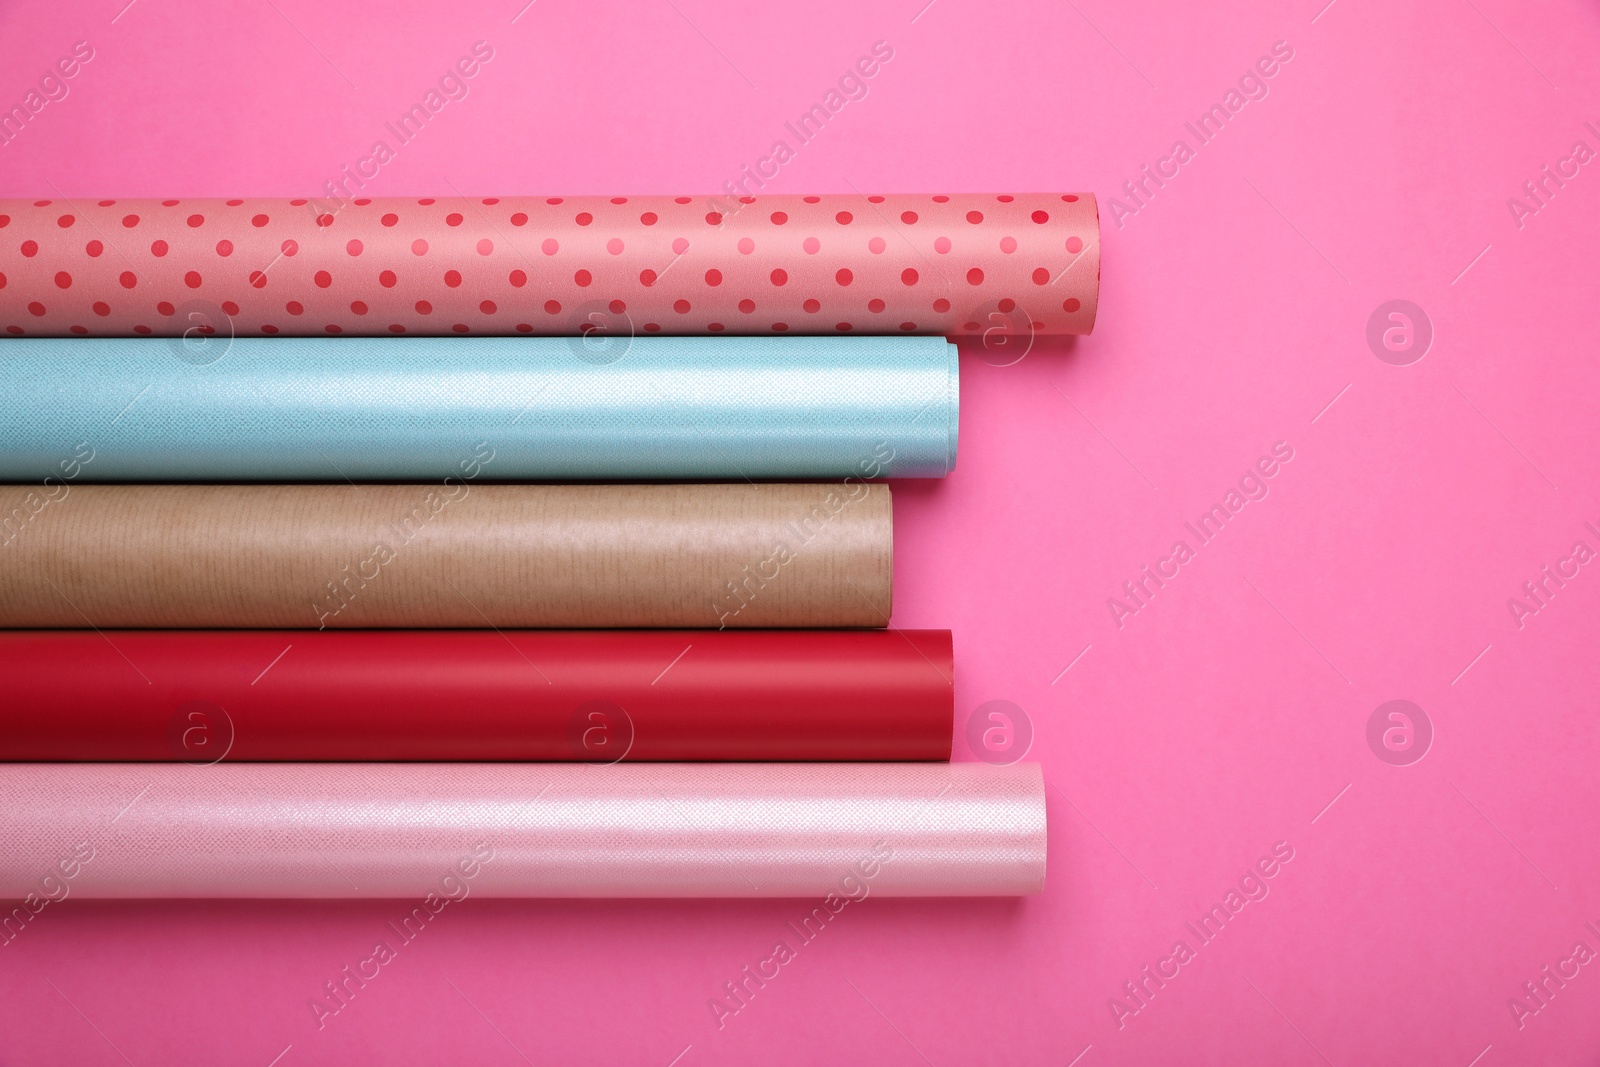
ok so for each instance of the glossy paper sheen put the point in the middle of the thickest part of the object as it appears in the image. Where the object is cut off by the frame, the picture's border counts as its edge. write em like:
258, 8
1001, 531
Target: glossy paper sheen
322, 409
525, 830
449, 555
591, 696
938, 264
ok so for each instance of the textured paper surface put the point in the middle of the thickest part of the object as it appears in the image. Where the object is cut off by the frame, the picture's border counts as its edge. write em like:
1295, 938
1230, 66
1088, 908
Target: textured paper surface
332, 409
1222, 718
448, 555
592, 696
526, 830
956, 264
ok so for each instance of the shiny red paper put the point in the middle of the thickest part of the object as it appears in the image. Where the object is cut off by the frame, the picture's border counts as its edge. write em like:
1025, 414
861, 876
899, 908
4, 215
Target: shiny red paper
591, 696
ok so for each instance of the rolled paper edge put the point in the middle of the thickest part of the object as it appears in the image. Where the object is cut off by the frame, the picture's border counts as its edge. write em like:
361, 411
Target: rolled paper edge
954, 409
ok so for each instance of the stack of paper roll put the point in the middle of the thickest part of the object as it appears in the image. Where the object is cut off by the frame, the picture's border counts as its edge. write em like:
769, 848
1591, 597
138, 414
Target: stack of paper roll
300, 597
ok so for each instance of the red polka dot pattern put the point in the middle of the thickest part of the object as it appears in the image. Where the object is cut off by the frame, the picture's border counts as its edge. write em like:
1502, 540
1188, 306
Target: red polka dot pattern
531, 265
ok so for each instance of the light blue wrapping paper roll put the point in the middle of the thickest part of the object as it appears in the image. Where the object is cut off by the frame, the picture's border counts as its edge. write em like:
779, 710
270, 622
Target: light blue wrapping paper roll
332, 409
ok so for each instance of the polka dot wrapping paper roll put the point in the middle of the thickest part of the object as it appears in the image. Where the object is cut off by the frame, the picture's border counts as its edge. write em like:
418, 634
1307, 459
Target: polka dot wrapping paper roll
965, 264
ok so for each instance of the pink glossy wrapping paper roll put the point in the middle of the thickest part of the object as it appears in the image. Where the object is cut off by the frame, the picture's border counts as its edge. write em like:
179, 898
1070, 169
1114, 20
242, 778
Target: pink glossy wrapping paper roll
519, 830
958, 264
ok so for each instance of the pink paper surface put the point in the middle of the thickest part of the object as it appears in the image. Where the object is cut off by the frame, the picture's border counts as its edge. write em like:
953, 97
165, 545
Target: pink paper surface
1228, 714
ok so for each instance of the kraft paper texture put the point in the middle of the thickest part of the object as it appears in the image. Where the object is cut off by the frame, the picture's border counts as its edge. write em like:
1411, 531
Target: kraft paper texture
452, 554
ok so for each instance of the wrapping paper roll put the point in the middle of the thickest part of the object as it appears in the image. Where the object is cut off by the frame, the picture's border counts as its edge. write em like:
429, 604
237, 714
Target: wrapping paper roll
298, 409
596, 696
445, 556
956, 264
435, 831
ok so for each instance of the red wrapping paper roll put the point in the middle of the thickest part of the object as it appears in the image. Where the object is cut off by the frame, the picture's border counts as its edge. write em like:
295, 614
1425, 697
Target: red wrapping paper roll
961, 264
593, 696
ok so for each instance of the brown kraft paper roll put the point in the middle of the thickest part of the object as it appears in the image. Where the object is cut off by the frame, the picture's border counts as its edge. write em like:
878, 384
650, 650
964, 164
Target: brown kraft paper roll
446, 555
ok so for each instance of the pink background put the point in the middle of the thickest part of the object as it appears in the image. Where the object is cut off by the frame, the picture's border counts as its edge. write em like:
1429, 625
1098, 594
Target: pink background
1227, 715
